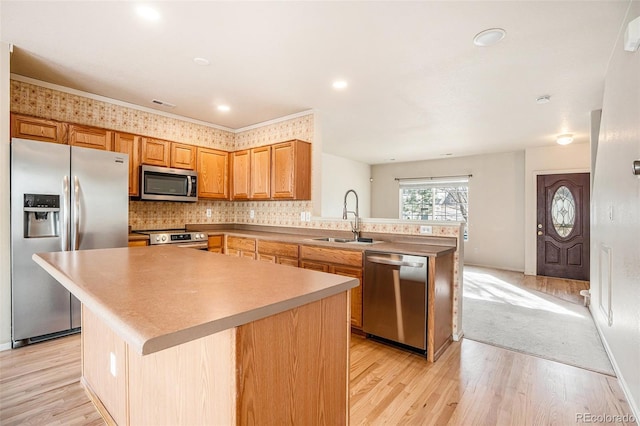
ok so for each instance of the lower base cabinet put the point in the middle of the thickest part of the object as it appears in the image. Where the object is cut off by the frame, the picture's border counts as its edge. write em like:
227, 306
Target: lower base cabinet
341, 262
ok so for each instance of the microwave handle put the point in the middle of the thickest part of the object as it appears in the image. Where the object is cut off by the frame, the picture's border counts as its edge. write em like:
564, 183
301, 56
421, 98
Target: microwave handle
189, 186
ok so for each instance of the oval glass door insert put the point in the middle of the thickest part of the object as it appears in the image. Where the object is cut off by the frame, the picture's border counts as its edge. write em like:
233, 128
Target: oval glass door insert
563, 211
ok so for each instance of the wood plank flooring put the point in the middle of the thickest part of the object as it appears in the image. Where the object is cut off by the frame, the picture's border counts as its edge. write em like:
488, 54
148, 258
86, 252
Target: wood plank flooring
471, 384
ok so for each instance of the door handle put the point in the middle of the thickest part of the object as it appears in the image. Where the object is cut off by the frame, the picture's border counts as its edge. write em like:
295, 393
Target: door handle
65, 213
385, 261
76, 213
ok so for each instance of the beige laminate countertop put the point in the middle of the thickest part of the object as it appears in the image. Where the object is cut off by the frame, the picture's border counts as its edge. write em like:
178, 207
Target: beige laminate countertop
161, 297
390, 247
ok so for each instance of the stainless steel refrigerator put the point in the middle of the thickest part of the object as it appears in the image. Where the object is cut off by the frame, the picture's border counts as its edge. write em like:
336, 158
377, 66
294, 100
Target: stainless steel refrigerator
62, 198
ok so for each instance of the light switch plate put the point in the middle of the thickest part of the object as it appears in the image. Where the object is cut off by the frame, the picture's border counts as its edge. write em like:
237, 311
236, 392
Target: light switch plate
307, 216
208, 212
302, 216
252, 214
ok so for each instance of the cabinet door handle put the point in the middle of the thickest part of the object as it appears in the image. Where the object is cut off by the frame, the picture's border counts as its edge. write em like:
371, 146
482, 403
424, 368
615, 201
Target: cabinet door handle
384, 261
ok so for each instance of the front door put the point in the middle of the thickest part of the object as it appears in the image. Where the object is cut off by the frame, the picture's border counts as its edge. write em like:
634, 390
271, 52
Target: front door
563, 226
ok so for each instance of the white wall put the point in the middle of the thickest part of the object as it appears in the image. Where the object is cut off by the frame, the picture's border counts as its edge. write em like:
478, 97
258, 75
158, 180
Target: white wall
5, 230
615, 187
338, 176
496, 202
574, 158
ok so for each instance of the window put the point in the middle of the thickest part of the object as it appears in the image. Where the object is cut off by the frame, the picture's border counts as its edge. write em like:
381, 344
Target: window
435, 199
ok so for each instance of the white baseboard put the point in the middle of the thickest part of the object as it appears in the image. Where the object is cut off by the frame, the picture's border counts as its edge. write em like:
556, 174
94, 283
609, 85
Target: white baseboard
502, 268
5, 346
614, 364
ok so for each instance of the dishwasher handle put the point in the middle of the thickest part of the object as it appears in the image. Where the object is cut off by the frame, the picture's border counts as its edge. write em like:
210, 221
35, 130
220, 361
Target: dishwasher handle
386, 261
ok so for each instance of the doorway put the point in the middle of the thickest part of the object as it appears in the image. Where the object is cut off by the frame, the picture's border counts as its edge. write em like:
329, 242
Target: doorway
563, 226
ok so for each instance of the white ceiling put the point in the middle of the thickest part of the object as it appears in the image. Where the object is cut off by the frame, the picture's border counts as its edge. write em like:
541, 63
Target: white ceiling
418, 87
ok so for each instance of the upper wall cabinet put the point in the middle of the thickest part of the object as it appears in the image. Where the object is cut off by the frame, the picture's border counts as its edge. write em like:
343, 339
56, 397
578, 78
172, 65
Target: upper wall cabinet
241, 176
251, 174
291, 170
130, 144
183, 156
155, 152
261, 173
213, 173
90, 137
39, 129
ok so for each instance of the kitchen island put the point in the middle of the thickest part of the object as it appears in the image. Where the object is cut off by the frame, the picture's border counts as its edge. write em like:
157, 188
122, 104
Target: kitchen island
178, 336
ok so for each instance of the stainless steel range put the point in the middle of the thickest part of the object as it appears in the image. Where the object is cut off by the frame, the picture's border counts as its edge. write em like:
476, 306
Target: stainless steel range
180, 237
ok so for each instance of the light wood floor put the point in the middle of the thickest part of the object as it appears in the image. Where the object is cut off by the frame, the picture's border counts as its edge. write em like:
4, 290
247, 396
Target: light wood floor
564, 289
471, 384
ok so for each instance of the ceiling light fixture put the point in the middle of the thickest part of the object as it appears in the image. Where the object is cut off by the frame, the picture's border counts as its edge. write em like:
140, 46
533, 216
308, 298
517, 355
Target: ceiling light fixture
541, 100
565, 139
224, 108
489, 37
147, 12
201, 61
340, 84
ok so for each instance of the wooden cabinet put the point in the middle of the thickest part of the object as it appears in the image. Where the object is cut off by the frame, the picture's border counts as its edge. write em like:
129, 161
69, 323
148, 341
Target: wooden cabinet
251, 174
341, 262
39, 129
240, 247
276, 252
241, 175
260, 173
213, 173
138, 243
90, 137
291, 170
130, 144
216, 243
183, 156
155, 152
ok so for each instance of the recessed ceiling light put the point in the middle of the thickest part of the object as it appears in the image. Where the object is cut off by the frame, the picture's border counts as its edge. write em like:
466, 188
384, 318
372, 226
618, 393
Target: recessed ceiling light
147, 12
201, 61
224, 108
545, 99
489, 37
340, 84
565, 139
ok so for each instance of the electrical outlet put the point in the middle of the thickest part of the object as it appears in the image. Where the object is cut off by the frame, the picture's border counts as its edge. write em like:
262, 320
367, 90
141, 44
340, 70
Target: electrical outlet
112, 364
252, 214
307, 216
426, 229
208, 212
302, 216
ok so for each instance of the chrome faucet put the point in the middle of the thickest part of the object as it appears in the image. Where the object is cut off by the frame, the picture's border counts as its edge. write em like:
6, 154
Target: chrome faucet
355, 227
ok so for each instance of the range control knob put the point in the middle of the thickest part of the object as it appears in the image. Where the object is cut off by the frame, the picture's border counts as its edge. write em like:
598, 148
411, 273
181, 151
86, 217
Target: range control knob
157, 237
164, 238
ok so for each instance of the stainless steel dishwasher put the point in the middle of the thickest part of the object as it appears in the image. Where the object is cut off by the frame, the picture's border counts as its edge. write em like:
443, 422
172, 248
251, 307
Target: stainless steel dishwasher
395, 298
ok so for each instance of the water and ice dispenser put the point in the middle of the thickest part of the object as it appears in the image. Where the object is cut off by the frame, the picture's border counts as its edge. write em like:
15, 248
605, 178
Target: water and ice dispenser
41, 215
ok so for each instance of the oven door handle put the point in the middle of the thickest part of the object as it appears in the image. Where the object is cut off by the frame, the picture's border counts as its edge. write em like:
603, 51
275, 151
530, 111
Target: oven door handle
193, 245
385, 261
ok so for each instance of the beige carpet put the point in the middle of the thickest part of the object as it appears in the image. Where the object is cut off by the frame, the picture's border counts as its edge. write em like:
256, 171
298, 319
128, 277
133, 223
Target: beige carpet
499, 312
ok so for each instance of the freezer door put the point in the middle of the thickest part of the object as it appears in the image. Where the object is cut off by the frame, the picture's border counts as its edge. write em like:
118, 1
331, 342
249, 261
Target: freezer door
99, 198
40, 305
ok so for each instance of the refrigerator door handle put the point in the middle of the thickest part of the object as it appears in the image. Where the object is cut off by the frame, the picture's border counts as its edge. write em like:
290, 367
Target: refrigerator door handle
65, 214
76, 213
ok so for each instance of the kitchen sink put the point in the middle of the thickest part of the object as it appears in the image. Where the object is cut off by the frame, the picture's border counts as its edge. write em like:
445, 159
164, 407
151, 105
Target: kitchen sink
345, 240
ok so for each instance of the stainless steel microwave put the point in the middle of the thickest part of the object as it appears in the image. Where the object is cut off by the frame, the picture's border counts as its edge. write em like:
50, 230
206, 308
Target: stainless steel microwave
165, 184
